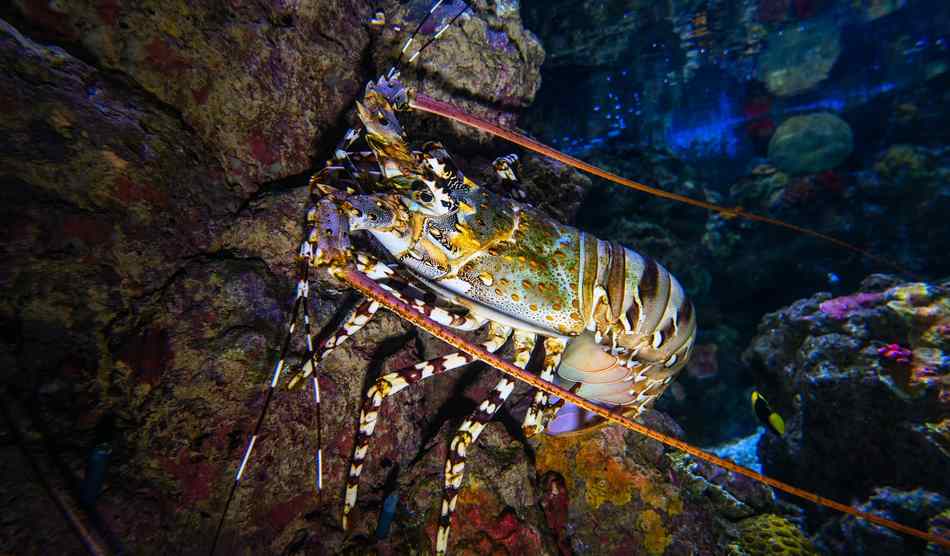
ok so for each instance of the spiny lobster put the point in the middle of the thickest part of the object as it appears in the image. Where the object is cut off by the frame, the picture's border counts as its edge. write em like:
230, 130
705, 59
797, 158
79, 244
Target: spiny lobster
616, 326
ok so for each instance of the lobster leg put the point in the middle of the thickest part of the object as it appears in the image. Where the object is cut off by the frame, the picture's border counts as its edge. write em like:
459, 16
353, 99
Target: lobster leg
538, 414
402, 291
468, 433
505, 170
393, 382
360, 316
355, 320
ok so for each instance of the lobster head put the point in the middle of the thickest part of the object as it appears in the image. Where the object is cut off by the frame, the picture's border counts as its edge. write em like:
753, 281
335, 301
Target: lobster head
443, 189
377, 111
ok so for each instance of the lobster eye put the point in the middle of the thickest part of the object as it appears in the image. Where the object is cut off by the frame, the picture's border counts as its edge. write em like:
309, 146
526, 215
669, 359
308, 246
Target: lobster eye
447, 204
425, 196
381, 118
372, 216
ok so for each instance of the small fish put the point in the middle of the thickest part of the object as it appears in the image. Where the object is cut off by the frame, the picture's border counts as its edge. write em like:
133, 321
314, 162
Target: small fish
772, 420
833, 278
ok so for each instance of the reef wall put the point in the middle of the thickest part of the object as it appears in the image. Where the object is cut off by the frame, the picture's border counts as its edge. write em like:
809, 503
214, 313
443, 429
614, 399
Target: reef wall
155, 159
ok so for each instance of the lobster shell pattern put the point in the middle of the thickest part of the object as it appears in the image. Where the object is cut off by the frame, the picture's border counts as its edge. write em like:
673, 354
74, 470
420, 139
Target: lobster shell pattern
617, 325
628, 325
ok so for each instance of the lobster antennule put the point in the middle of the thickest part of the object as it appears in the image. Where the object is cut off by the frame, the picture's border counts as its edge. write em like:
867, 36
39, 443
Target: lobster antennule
371, 290
428, 104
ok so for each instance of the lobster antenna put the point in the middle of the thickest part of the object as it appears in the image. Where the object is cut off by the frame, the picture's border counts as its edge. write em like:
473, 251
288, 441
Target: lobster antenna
302, 298
369, 288
428, 104
432, 39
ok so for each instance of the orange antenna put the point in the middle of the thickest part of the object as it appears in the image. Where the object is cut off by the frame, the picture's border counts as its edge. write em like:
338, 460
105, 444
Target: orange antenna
370, 289
428, 104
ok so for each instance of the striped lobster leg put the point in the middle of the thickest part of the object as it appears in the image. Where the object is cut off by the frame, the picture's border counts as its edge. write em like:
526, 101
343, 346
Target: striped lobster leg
402, 291
539, 412
468, 433
355, 320
360, 316
393, 382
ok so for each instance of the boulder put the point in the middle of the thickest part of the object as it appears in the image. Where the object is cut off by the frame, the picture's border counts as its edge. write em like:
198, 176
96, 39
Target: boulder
798, 57
811, 143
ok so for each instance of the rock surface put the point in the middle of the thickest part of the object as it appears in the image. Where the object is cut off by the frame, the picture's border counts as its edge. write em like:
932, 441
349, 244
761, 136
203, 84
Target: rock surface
812, 143
928, 511
800, 57
823, 360
151, 210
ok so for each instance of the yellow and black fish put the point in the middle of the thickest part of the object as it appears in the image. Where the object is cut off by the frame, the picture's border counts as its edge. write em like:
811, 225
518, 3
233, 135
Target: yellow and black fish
772, 420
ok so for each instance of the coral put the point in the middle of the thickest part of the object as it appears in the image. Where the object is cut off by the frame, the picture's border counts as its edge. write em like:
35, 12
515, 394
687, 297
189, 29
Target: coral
939, 525
811, 143
609, 472
926, 309
770, 534
840, 307
918, 508
895, 353
763, 188
800, 57
820, 361
905, 165
731, 495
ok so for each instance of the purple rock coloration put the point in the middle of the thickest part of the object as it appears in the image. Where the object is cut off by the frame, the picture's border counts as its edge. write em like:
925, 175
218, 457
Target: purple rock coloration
857, 420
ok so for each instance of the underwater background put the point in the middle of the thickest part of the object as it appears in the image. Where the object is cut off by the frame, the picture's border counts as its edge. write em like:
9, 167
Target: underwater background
154, 161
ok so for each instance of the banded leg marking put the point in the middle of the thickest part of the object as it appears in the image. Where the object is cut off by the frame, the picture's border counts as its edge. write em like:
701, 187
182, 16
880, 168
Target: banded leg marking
377, 271
438, 314
538, 415
393, 382
468, 433
300, 300
357, 318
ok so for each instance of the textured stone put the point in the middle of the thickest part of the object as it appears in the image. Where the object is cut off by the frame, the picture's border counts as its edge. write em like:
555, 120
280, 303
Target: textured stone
611, 473
799, 57
258, 83
150, 262
917, 508
812, 143
817, 367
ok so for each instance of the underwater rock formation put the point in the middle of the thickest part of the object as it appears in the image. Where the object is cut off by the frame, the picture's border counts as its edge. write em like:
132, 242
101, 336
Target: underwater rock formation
150, 225
259, 85
155, 161
810, 144
673, 504
155, 158
800, 57
820, 362
928, 511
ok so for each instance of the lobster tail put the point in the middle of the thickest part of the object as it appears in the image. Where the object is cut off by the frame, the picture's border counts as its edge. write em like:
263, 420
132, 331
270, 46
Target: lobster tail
640, 331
